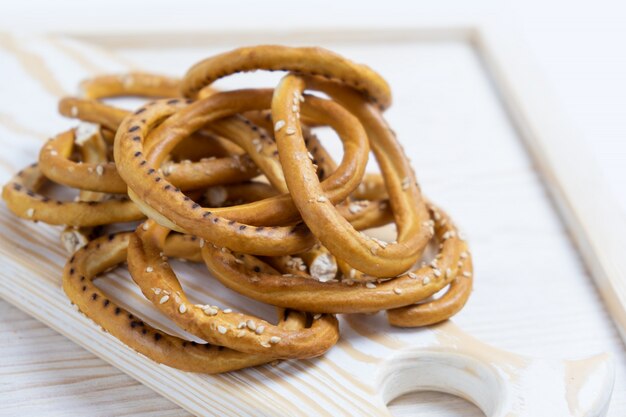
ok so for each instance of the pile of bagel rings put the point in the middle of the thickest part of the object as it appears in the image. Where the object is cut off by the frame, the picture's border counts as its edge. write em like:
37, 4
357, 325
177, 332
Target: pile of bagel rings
239, 180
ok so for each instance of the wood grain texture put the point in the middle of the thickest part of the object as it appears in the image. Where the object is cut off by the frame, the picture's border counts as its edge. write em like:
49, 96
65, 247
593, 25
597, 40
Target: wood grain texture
474, 165
63, 378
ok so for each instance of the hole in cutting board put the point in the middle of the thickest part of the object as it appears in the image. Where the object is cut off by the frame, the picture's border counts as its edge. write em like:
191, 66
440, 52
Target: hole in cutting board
433, 403
445, 370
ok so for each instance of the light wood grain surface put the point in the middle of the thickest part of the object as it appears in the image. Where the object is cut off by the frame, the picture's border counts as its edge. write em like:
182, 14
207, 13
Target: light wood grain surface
532, 293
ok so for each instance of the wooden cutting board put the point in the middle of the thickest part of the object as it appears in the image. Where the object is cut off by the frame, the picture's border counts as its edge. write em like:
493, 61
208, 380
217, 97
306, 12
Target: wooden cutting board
373, 362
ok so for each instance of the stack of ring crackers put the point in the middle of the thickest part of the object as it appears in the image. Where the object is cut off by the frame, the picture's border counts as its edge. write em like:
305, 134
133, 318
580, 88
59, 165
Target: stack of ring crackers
239, 180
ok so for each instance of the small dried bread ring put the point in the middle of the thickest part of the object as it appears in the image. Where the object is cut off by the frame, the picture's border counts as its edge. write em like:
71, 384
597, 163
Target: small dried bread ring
203, 112
21, 196
93, 150
224, 226
231, 329
438, 310
109, 117
333, 230
55, 164
247, 275
312, 61
109, 251
92, 111
131, 84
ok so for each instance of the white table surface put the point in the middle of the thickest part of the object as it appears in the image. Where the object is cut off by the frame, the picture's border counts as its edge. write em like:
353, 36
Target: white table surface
43, 373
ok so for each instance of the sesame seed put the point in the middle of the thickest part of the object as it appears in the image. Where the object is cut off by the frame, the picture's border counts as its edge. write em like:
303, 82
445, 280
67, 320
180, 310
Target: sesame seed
397, 291
311, 157
436, 272
265, 344
370, 285
412, 275
406, 182
53, 152
448, 273
209, 311
374, 250
157, 291
317, 316
322, 199
164, 299
274, 339
425, 281
100, 170
182, 309
251, 325
30, 212
260, 330
463, 255
149, 269
352, 273
227, 311
201, 243
145, 227
354, 208
279, 125
241, 325
74, 111
467, 274
241, 333
221, 329
290, 131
